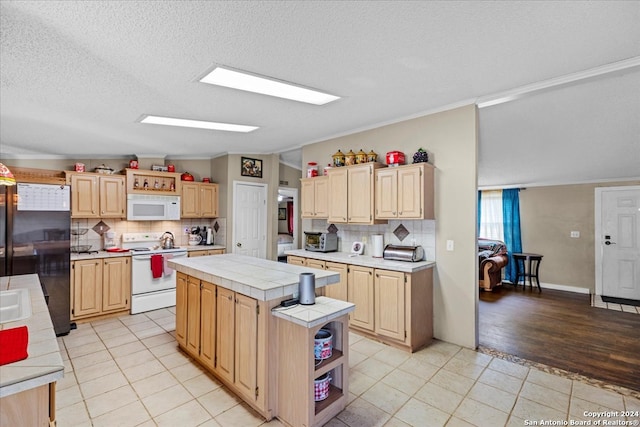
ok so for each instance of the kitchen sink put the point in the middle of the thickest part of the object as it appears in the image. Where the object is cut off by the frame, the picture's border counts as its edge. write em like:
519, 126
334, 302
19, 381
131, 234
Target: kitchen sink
15, 304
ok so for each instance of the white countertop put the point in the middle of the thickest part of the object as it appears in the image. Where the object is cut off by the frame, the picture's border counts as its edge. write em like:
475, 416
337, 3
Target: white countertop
363, 260
44, 364
257, 278
105, 254
323, 311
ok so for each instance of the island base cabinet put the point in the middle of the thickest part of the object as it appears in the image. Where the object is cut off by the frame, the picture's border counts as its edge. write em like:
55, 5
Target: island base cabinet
298, 371
224, 331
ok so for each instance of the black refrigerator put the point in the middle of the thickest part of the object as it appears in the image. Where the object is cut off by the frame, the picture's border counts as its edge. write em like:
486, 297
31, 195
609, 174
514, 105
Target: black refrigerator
35, 224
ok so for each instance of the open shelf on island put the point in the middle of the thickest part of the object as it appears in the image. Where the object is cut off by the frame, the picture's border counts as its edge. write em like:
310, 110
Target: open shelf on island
335, 393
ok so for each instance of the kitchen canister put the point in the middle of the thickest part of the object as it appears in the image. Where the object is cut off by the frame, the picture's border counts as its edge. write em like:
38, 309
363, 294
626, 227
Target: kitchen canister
377, 245
323, 344
307, 288
321, 387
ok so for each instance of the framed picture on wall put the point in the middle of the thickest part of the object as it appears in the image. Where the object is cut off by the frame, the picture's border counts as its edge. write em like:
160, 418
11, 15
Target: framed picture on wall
282, 213
251, 167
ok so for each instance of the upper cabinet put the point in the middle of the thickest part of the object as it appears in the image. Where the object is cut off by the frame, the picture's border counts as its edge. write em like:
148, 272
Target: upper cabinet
352, 194
405, 192
315, 197
95, 195
199, 200
148, 182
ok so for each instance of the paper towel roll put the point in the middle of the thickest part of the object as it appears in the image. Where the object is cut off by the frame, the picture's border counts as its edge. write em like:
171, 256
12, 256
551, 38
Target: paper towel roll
377, 245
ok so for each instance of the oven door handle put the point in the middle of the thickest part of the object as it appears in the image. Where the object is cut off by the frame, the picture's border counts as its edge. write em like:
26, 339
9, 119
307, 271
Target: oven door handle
143, 257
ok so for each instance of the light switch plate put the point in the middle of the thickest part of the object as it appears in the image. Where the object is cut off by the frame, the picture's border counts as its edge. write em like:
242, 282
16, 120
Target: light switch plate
449, 245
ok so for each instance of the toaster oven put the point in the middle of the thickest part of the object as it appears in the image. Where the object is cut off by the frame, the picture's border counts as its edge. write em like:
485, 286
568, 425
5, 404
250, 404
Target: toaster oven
320, 242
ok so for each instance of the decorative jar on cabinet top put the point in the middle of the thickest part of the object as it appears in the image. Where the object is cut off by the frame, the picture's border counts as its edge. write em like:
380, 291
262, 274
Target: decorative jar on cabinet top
338, 159
350, 158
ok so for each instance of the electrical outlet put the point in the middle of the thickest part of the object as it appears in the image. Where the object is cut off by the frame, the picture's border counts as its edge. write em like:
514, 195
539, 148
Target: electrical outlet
575, 234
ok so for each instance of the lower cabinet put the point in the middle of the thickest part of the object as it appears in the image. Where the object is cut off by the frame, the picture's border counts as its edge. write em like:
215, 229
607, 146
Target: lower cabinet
220, 329
391, 306
100, 286
205, 252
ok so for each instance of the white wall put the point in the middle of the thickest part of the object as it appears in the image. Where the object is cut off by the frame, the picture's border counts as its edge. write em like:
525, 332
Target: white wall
450, 137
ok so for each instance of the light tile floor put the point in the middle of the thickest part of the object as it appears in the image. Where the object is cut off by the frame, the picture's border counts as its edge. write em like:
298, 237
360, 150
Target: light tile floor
128, 371
596, 301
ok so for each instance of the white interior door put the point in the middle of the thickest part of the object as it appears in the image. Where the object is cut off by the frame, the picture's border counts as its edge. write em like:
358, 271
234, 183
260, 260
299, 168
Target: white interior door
250, 219
618, 242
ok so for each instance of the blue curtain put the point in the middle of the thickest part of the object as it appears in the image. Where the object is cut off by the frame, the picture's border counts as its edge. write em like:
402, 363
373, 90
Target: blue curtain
479, 211
511, 218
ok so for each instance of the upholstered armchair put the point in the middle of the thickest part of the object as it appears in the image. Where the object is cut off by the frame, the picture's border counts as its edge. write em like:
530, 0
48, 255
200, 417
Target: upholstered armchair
492, 258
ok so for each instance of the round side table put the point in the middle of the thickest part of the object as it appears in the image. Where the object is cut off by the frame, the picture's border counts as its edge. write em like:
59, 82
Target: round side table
531, 270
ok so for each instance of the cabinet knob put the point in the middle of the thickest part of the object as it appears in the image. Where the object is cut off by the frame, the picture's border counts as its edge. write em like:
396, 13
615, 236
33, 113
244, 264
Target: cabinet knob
239, 244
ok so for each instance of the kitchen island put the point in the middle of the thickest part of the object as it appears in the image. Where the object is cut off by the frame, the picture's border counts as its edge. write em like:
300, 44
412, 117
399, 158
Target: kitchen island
27, 387
229, 319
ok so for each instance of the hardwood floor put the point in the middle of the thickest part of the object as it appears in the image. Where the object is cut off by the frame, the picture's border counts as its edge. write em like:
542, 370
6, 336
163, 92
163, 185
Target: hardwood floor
561, 329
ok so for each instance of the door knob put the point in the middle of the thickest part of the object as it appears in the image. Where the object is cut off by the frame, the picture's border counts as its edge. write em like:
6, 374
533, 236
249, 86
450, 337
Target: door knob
609, 243
239, 244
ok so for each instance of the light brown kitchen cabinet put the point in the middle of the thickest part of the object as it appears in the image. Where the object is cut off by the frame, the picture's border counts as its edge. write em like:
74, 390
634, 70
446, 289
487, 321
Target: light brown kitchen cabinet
207, 323
391, 306
153, 182
100, 286
296, 260
86, 288
95, 195
182, 309
351, 189
360, 291
338, 290
389, 302
199, 200
246, 346
195, 317
315, 197
405, 192
225, 334
315, 263
32, 407
205, 252
116, 284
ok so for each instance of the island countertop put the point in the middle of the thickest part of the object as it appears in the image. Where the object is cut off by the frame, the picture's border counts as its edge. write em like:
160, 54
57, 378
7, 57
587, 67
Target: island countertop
44, 364
257, 278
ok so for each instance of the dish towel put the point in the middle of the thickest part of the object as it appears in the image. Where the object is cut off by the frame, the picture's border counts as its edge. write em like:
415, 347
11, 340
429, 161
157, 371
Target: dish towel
13, 344
167, 270
156, 266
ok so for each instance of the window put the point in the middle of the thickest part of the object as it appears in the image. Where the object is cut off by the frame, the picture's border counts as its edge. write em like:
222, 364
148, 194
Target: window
491, 219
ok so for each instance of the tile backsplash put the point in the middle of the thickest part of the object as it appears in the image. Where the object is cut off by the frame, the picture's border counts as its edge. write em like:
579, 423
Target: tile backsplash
421, 232
122, 226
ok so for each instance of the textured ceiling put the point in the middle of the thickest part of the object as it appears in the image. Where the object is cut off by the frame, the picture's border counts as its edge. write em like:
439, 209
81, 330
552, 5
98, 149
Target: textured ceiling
77, 75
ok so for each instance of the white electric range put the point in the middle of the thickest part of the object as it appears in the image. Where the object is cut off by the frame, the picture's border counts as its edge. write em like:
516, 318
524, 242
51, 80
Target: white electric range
153, 283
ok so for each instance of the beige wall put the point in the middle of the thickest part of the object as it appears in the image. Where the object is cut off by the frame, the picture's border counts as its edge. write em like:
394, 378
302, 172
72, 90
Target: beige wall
548, 215
450, 138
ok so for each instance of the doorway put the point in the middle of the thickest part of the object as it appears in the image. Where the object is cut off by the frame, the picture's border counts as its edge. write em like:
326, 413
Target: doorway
617, 242
288, 231
249, 219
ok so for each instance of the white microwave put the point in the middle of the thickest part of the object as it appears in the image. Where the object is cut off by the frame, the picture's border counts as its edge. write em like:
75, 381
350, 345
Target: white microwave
151, 207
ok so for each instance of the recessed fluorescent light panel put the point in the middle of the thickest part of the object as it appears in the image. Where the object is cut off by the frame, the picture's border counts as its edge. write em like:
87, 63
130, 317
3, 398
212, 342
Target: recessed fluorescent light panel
199, 124
251, 83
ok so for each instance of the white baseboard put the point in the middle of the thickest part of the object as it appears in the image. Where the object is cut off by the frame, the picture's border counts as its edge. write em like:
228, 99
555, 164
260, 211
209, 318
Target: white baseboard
565, 288
560, 287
